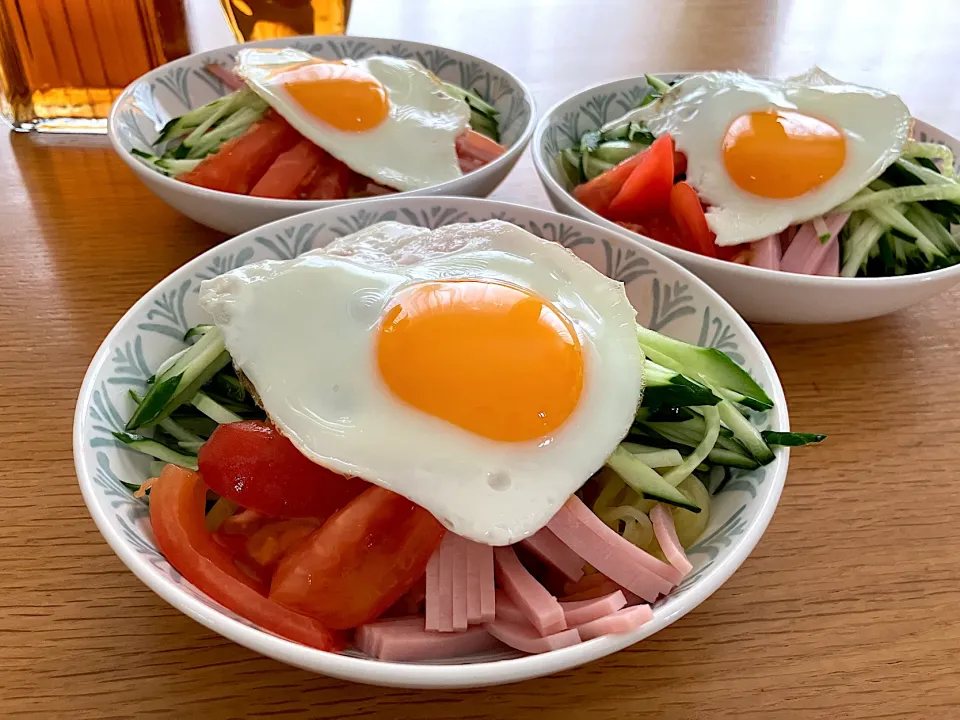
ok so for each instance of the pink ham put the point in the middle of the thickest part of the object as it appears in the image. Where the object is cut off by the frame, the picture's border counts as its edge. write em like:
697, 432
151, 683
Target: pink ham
459, 560
405, 642
445, 594
367, 637
432, 599
830, 265
584, 611
622, 621
527, 639
480, 586
786, 237
641, 557
506, 610
806, 252
227, 77
609, 553
766, 253
547, 546
666, 534
487, 595
539, 606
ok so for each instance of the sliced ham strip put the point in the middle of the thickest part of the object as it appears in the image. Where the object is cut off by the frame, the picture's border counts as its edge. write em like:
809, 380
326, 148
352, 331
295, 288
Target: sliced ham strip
227, 77
622, 621
368, 636
480, 585
592, 593
766, 253
506, 610
547, 546
459, 560
830, 265
487, 595
584, 611
666, 533
403, 642
641, 557
432, 599
608, 552
539, 606
806, 251
446, 551
526, 638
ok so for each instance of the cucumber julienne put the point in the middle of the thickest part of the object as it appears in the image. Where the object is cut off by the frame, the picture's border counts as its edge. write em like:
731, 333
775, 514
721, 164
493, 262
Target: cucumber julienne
692, 429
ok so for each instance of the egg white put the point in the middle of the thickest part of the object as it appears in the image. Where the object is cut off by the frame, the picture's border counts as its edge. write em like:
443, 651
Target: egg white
698, 110
412, 148
304, 332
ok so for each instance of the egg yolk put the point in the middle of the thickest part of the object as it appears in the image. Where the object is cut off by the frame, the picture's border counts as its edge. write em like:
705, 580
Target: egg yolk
781, 153
492, 358
342, 96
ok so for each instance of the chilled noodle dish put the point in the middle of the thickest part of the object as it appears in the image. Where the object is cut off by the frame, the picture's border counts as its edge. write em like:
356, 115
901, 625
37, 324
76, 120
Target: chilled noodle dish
298, 127
433, 443
806, 175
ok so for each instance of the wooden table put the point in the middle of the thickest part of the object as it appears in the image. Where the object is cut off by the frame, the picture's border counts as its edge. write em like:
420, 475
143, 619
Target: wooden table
850, 605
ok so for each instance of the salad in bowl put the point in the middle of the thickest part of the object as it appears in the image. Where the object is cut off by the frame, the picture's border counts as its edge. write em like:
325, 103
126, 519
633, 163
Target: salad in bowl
820, 181
429, 444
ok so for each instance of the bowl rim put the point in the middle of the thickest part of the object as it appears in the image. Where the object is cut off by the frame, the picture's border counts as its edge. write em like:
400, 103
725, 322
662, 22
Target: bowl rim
418, 675
288, 205
745, 272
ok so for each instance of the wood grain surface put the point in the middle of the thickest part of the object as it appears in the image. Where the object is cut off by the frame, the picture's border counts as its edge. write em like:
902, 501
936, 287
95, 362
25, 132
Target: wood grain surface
848, 608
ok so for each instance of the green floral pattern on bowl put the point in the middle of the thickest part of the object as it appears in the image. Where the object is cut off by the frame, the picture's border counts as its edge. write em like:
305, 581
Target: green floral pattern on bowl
667, 298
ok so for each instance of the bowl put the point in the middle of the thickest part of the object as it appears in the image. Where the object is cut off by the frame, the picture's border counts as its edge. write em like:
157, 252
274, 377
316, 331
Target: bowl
759, 295
172, 89
667, 297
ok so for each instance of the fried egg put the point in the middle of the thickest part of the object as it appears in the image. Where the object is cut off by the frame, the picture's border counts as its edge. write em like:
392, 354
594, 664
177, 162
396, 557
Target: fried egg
386, 118
767, 154
480, 371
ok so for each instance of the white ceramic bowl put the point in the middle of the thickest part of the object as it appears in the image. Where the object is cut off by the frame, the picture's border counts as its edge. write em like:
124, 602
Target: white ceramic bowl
173, 89
667, 298
759, 295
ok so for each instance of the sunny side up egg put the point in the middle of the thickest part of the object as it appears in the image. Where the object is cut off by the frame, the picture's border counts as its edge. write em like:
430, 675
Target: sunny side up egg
768, 154
386, 118
480, 371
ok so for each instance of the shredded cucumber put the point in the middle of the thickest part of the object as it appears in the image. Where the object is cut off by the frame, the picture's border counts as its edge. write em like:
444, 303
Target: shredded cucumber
702, 451
894, 196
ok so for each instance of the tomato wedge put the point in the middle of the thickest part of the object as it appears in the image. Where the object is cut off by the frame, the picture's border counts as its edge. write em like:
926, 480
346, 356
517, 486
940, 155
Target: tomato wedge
255, 466
597, 194
688, 213
660, 226
472, 145
331, 181
177, 515
647, 190
284, 177
360, 562
242, 161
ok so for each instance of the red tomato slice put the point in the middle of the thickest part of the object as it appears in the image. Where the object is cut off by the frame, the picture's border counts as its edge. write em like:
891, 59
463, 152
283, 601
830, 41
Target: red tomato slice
177, 515
271, 542
679, 163
331, 180
255, 466
360, 562
284, 177
660, 226
241, 162
597, 194
688, 213
472, 145
647, 190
